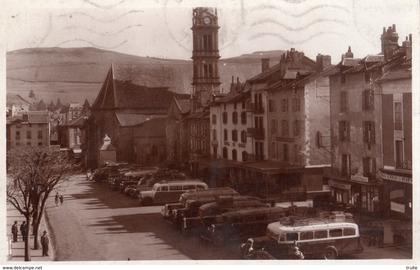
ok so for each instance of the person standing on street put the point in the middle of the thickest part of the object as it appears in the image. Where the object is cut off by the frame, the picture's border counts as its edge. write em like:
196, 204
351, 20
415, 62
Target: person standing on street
15, 231
297, 253
61, 199
23, 230
56, 199
45, 241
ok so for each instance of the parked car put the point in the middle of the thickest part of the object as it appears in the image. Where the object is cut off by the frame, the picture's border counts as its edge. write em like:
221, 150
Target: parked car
204, 195
241, 224
167, 192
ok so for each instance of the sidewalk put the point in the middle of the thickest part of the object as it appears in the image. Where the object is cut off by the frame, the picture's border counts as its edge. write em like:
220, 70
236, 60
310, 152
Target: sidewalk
17, 250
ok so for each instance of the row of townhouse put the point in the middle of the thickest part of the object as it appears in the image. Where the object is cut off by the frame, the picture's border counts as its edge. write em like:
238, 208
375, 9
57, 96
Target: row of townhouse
309, 126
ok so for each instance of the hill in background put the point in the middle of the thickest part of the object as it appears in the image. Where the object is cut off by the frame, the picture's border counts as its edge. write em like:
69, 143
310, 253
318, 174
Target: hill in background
73, 74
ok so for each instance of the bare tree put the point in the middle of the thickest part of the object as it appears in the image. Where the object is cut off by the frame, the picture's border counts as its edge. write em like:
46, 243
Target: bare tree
33, 173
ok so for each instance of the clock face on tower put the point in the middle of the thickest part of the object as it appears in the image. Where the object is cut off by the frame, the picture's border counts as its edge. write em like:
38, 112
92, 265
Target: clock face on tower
206, 20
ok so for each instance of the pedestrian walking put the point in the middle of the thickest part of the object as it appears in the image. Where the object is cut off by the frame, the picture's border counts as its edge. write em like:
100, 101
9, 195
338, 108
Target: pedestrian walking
61, 199
56, 199
298, 255
45, 241
15, 231
24, 230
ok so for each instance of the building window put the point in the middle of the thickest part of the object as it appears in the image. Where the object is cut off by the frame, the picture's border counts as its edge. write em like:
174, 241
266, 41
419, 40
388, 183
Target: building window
234, 155
40, 143
235, 117
234, 106
273, 126
28, 134
271, 105
343, 78
343, 101
286, 152
225, 117
234, 135
243, 118
259, 150
214, 135
17, 135
29, 143
345, 165
225, 153
296, 150
367, 77
225, 134
344, 131
295, 105
397, 116
369, 167
213, 119
243, 105
244, 156
39, 134
296, 128
369, 132
243, 136
207, 42
284, 105
284, 128
368, 100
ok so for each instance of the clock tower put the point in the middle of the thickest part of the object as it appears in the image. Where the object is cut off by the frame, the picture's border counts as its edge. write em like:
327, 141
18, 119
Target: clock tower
205, 56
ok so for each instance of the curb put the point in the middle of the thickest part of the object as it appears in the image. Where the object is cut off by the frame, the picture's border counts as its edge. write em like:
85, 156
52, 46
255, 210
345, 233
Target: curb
52, 236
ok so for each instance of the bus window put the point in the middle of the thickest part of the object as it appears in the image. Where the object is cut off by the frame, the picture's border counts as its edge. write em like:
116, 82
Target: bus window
164, 188
349, 231
321, 234
291, 236
175, 188
307, 235
336, 233
200, 187
188, 187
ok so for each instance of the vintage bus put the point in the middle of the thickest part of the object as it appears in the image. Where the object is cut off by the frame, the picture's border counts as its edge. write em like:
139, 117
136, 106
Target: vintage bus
325, 238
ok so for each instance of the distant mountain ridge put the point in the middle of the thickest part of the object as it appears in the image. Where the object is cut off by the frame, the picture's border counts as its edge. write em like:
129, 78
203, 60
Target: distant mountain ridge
73, 74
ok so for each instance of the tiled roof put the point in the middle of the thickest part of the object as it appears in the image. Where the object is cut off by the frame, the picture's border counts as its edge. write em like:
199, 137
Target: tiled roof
183, 102
132, 119
232, 97
14, 99
38, 117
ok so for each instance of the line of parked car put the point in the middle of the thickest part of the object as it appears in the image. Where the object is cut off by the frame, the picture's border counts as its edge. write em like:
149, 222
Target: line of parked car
221, 215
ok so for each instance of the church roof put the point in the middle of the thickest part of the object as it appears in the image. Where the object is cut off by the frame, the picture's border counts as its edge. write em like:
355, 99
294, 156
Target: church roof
15, 99
120, 92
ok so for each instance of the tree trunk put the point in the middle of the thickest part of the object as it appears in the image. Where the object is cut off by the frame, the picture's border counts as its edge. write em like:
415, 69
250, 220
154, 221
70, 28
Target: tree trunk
27, 251
35, 232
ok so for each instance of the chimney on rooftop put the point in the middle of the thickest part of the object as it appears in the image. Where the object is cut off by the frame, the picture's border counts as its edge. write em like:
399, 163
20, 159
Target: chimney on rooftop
265, 64
322, 61
407, 46
389, 41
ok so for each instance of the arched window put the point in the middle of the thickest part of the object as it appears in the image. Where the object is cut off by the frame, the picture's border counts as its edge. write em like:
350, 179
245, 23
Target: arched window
243, 136
234, 135
244, 156
225, 153
225, 117
243, 118
234, 155
235, 117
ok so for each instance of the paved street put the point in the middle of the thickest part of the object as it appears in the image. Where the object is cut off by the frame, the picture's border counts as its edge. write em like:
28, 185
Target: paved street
95, 223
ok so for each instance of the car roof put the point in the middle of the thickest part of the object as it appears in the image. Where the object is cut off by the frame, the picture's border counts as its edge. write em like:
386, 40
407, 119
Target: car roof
183, 182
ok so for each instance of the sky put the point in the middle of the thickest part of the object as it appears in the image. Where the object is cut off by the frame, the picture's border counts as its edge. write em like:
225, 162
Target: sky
161, 28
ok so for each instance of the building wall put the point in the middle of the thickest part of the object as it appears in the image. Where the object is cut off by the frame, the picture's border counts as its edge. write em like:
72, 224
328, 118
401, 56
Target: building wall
316, 150
393, 92
279, 136
355, 115
23, 128
258, 89
218, 128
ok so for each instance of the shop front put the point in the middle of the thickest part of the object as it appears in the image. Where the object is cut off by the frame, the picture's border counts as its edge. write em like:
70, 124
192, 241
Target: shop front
359, 196
398, 193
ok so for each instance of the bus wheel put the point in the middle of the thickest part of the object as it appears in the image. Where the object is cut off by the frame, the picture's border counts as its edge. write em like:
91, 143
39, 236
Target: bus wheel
330, 253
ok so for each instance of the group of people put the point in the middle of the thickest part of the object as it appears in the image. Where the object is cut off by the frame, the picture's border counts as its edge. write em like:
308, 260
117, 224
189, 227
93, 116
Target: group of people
45, 241
59, 198
23, 230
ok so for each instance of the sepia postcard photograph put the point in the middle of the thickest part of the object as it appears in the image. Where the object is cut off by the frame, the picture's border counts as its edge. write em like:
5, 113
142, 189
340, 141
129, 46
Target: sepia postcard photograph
179, 131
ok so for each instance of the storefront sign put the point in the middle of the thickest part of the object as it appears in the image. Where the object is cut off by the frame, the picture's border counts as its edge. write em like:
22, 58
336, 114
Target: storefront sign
336, 184
395, 178
398, 207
